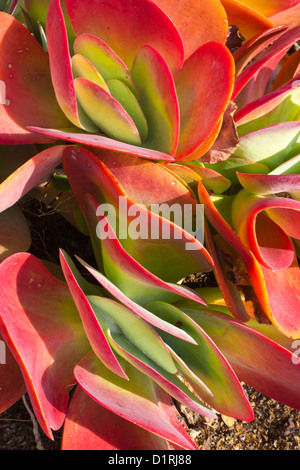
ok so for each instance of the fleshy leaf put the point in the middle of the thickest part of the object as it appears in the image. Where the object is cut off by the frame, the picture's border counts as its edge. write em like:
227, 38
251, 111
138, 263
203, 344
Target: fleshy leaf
125, 28
270, 184
11, 379
171, 383
248, 51
61, 68
270, 8
49, 322
127, 99
123, 323
136, 308
253, 80
146, 183
206, 145
272, 296
197, 22
284, 294
287, 16
83, 68
158, 99
90, 426
282, 105
100, 183
258, 361
103, 142
137, 400
289, 69
202, 100
290, 167
228, 168
128, 275
271, 145
25, 81
29, 175
268, 241
249, 21
108, 64
207, 364
230, 292
211, 179
79, 290
106, 112
229, 235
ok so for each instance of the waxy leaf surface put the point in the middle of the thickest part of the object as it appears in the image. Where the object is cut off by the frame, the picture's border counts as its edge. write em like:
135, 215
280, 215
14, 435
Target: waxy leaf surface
258, 361
79, 290
90, 426
207, 364
11, 379
197, 22
29, 175
127, 27
100, 183
137, 400
158, 99
28, 96
47, 319
202, 98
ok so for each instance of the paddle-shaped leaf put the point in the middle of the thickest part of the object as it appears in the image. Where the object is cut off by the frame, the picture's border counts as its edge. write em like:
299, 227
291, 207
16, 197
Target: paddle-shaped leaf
158, 99
146, 183
127, 27
29, 175
272, 183
11, 379
248, 51
258, 361
269, 295
90, 426
122, 322
102, 142
197, 22
206, 363
128, 275
268, 241
249, 22
106, 112
79, 289
271, 145
183, 254
61, 68
136, 308
251, 83
281, 105
47, 319
202, 96
25, 81
137, 400
108, 64
171, 383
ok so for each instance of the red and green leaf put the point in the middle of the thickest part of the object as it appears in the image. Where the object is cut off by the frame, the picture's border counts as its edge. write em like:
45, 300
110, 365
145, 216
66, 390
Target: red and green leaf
48, 321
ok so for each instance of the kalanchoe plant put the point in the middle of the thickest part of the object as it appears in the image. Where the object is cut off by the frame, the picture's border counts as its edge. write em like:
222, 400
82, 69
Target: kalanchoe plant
140, 103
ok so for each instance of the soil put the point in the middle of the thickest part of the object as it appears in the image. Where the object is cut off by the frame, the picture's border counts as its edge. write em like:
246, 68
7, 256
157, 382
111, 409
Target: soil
275, 426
